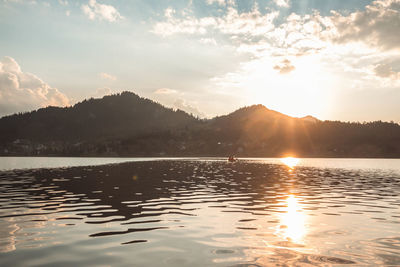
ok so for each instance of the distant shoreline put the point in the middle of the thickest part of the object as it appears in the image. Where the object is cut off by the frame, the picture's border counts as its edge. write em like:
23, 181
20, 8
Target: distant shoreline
193, 157
20, 163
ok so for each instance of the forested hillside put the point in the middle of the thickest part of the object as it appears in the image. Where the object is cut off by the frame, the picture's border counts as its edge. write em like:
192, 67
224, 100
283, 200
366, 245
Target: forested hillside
128, 125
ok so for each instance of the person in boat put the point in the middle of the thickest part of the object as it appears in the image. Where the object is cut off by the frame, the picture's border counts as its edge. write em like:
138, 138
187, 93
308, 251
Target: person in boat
231, 158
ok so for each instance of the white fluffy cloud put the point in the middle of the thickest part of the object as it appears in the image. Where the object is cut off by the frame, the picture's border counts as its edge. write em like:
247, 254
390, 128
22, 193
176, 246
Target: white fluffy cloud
21, 91
219, 2
377, 25
175, 99
99, 11
189, 108
282, 3
349, 39
251, 23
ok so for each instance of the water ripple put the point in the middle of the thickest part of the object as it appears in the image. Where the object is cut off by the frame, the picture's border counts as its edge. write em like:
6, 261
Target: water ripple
203, 212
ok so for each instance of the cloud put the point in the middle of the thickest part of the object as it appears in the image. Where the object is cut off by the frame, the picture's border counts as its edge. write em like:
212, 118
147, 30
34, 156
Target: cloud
175, 99
323, 58
219, 2
251, 23
21, 91
30, 2
282, 3
284, 67
386, 71
107, 76
191, 109
100, 92
208, 41
253, 31
165, 91
377, 25
63, 2
99, 11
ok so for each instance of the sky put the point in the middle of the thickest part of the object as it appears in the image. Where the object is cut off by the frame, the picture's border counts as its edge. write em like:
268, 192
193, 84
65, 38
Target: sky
335, 60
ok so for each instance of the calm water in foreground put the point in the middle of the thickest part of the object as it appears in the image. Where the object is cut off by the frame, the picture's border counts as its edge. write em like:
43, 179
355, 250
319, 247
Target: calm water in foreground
197, 212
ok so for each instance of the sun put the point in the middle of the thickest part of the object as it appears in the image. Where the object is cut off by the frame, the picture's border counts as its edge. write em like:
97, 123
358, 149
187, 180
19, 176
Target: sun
305, 90
291, 162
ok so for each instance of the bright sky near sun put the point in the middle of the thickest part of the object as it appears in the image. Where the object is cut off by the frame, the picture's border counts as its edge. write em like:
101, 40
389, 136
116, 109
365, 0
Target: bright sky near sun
336, 60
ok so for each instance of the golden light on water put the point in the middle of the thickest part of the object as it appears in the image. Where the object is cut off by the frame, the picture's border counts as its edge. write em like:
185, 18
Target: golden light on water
293, 221
291, 162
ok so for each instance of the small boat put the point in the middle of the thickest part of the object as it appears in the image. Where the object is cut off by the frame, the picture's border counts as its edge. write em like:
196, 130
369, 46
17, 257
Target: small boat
231, 159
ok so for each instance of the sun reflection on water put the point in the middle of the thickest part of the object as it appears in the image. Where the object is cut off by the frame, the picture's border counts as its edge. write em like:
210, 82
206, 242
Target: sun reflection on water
291, 162
293, 221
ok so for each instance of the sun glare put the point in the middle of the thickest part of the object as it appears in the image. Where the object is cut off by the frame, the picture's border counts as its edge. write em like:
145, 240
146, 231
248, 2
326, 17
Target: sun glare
293, 221
291, 162
305, 90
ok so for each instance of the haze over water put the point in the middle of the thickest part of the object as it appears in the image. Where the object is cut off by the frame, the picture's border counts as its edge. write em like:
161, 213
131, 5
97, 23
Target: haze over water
202, 213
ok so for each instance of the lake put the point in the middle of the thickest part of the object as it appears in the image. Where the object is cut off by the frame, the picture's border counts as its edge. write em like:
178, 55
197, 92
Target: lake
199, 212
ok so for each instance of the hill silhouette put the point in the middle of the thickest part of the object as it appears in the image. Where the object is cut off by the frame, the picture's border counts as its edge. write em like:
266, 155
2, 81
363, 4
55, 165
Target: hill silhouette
128, 125
111, 116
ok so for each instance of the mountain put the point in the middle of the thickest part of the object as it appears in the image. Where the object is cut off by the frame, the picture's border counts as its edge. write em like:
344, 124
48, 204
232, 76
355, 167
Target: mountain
55, 130
111, 116
128, 125
256, 131
310, 119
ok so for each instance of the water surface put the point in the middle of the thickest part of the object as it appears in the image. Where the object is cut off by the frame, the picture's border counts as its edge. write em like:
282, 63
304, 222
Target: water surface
10, 163
200, 213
